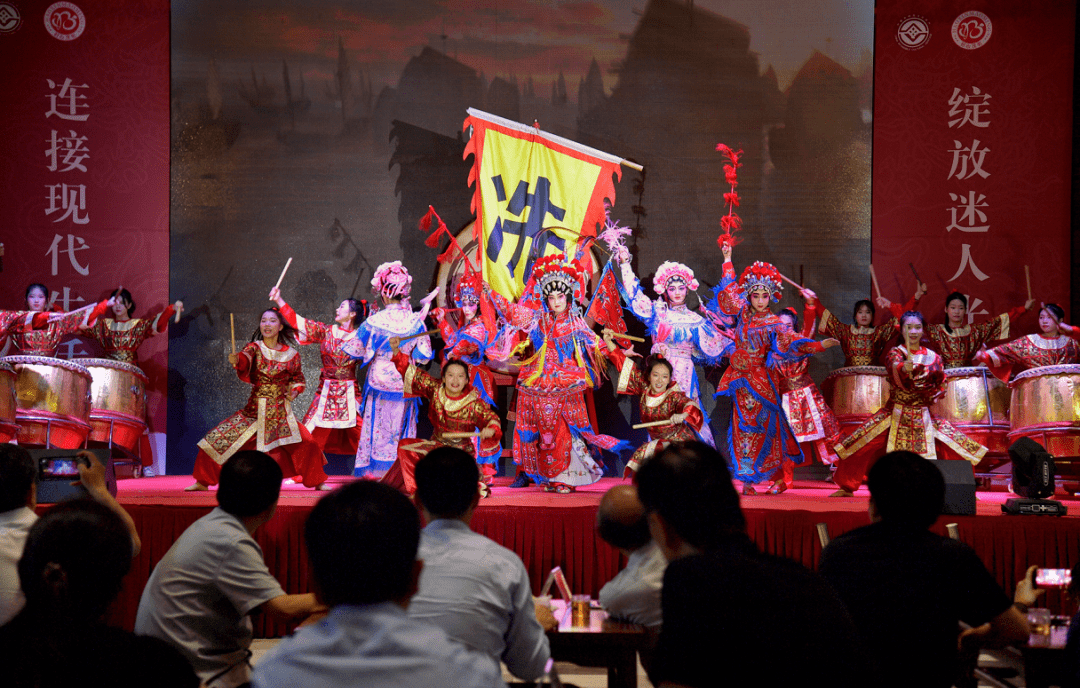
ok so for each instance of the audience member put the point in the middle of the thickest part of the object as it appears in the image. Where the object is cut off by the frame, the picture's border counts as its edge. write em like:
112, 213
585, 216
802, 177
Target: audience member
18, 497
733, 614
362, 542
472, 588
203, 591
1072, 640
71, 569
908, 588
634, 593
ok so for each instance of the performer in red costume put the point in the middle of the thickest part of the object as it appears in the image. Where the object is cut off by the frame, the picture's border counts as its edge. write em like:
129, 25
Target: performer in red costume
957, 341
810, 417
1033, 350
760, 442
121, 335
332, 418
455, 408
861, 342
904, 422
661, 400
553, 425
34, 341
266, 423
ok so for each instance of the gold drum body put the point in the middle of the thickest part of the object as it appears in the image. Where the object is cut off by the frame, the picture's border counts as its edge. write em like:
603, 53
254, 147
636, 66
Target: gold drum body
52, 401
8, 425
855, 393
977, 404
1046, 408
117, 402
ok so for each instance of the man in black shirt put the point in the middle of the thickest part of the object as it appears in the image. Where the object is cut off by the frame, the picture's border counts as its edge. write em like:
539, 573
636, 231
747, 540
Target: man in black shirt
907, 588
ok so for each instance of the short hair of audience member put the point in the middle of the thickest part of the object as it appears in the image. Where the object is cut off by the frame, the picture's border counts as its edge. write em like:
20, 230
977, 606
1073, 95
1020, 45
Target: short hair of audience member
689, 485
18, 473
362, 541
250, 483
74, 560
617, 532
446, 481
906, 489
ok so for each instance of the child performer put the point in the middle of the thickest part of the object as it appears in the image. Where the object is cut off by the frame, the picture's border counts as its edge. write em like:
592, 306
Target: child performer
904, 422
861, 342
454, 407
386, 415
661, 400
332, 418
266, 423
1034, 350
811, 419
34, 341
760, 442
957, 341
121, 335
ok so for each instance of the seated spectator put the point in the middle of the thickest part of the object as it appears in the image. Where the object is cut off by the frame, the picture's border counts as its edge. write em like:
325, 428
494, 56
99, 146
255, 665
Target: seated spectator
362, 541
732, 614
634, 593
18, 497
907, 588
473, 588
75, 558
201, 594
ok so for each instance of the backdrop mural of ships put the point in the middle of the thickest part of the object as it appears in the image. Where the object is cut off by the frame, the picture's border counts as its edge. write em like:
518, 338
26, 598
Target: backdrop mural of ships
298, 132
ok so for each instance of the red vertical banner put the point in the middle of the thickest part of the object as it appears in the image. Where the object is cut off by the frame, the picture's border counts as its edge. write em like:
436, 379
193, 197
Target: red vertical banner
84, 176
973, 151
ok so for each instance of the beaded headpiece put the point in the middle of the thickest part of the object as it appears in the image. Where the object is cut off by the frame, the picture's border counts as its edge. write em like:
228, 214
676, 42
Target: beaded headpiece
555, 273
392, 280
759, 275
670, 270
468, 290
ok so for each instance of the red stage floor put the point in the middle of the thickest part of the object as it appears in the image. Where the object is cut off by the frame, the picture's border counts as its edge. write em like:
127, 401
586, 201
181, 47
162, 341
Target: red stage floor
549, 530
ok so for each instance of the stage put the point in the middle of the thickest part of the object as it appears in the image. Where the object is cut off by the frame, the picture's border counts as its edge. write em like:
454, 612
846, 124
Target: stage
548, 530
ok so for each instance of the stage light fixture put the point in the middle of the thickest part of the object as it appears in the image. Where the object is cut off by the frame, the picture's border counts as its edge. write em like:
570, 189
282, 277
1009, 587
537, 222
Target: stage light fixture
1032, 480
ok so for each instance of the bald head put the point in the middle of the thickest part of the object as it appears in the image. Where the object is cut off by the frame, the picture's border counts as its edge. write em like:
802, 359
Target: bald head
621, 521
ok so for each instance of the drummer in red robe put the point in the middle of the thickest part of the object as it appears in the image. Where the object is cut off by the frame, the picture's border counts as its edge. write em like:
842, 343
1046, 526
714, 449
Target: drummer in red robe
454, 407
1051, 347
121, 335
861, 342
661, 400
957, 341
34, 341
905, 421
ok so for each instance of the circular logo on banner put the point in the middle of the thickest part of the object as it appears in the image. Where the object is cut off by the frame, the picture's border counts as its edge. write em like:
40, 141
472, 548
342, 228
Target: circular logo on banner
971, 30
913, 32
64, 21
10, 19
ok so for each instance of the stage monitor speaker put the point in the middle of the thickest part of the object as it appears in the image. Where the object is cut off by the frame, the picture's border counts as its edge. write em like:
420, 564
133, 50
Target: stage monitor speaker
959, 487
58, 468
1032, 469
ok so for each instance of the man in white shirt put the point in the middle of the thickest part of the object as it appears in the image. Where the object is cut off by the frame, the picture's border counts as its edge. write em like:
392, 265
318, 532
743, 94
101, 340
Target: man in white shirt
201, 594
473, 588
634, 594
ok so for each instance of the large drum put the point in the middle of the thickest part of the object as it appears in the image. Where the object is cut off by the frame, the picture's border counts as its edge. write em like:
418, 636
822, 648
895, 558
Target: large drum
117, 402
977, 404
8, 426
53, 401
855, 393
1046, 408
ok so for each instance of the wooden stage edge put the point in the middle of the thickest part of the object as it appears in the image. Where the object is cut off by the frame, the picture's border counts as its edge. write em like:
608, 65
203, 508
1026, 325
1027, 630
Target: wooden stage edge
548, 530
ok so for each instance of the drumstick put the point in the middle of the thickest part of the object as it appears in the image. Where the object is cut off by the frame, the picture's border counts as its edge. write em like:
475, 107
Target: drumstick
912, 266
283, 271
654, 424
232, 326
418, 334
877, 287
1027, 277
459, 435
620, 335
176, 318
790, 281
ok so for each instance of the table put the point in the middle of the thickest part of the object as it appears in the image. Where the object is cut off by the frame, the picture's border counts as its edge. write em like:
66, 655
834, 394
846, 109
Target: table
1045, 665
605, 643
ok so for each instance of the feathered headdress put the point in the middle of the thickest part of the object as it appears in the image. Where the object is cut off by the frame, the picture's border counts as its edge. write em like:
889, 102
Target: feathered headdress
670, 270
760, 275
392, 280
555, 273
731, 222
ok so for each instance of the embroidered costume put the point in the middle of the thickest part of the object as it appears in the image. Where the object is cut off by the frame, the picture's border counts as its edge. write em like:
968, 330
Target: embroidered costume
811, 419
761, 444
121, 340
332, 419
1031, 351
45, 341
862, 346
678, 334
657, 407
266, 422
957, 347
10, 321
466, 412
905, 421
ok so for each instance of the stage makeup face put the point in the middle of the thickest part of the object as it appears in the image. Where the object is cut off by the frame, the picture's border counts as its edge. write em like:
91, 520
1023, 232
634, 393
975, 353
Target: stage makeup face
556, 302
913, 332
469, 310
864, 317
759, 300
676, 292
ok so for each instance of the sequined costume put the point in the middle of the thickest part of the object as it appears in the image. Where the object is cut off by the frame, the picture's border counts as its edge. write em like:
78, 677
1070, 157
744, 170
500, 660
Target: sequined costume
466, 412
121, 340
1031, 351
266, 422
657, 407
862, 346
761, 444
905, 421
680, 335
958, 346
811, 419
10, 321
44, 341
333, 418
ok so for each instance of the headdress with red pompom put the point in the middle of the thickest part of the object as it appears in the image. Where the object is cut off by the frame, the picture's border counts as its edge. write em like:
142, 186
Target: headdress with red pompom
759, 275
392, 280
555, 273
731, 222
670, 270
469, 288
